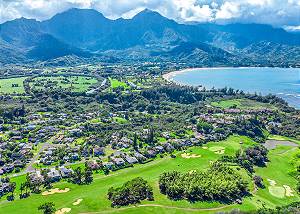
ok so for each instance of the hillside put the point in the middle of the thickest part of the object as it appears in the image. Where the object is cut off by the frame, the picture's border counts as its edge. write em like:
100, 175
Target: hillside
86, 32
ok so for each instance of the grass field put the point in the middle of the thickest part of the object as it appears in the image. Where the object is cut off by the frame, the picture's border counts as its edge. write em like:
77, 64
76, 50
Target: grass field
120, 120
73, 83
114, 83
240, 103
6, 85
95, 199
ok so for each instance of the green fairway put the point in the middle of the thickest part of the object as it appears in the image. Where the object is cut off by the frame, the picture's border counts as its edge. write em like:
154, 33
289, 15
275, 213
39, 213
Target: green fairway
114, 83
241, 104
12, 85
72, 83
95, 198
278, 170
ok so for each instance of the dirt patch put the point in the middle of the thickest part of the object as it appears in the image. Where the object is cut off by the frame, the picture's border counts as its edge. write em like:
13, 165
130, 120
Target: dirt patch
189, 155
288, 191
56, 190
78, 201
271, 144
63, 211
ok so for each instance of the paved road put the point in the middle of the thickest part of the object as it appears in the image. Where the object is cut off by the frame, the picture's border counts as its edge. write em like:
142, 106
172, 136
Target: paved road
30, 167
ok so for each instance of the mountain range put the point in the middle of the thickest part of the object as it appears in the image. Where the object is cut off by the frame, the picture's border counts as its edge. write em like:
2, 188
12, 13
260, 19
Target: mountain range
86, 33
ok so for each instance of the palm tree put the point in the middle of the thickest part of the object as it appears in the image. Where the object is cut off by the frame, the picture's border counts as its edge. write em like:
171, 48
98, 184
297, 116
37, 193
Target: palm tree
22, 188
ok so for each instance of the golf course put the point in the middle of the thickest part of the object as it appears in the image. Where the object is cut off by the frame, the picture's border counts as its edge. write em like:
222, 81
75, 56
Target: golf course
280, 185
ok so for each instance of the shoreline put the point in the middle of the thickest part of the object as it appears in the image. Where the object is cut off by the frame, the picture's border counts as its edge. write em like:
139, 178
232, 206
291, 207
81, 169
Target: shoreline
169, 76
290, 98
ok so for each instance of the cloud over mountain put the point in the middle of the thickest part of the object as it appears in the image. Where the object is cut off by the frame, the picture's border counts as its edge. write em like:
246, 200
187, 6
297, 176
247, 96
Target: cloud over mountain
274, 12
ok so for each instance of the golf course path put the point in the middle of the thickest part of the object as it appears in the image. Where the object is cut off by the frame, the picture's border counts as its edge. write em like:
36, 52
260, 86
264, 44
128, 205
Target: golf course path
162, 206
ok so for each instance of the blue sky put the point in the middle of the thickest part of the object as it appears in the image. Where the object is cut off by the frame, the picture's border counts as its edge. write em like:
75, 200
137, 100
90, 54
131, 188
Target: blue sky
275, 12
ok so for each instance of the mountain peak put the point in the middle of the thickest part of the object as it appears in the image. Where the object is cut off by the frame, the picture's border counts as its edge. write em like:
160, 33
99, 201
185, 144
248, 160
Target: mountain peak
148, 13
80, 13
21, 20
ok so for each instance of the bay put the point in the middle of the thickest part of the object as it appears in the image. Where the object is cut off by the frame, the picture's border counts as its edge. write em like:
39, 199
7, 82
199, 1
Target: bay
283, 82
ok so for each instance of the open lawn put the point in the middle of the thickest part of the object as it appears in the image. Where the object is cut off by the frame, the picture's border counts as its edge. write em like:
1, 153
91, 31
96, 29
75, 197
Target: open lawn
241, 104
73, 83
114, 83
94, 198
12, 85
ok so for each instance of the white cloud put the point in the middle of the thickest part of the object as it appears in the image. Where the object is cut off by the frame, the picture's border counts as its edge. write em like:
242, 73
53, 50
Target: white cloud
292, 28
228, 10
275, 12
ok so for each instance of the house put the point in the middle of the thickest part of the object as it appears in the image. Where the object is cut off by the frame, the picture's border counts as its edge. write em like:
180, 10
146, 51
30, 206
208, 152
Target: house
76, 132
8, 168
108, 165
160, 149
139, 156
65, 172
19, 163
75, 156
36, 177
168, 147
4, 188
131, 160
151, 153
46, 161
93, 165
118, 161
118, 153
48, 153
54, 174
98, 151
31, 127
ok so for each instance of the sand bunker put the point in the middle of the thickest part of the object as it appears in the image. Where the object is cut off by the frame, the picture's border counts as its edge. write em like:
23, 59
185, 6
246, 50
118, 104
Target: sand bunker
63, 210
217, 150
56, 190
204, 147
278, 191
189, 155
77, 202
192, 171
272, 182
288, 191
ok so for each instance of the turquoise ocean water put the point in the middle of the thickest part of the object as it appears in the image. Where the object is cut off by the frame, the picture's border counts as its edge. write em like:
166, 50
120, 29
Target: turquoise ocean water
283, 82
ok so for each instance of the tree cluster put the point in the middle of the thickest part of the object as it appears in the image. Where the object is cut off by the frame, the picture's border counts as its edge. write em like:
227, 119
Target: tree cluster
82, 176
252, 156
132, 192
218, 183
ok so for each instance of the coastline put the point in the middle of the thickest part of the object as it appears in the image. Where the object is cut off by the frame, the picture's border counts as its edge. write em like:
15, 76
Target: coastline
292, 99
169, 76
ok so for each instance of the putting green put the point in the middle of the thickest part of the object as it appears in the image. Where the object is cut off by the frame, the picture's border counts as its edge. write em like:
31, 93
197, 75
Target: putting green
276, 191
217, 149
